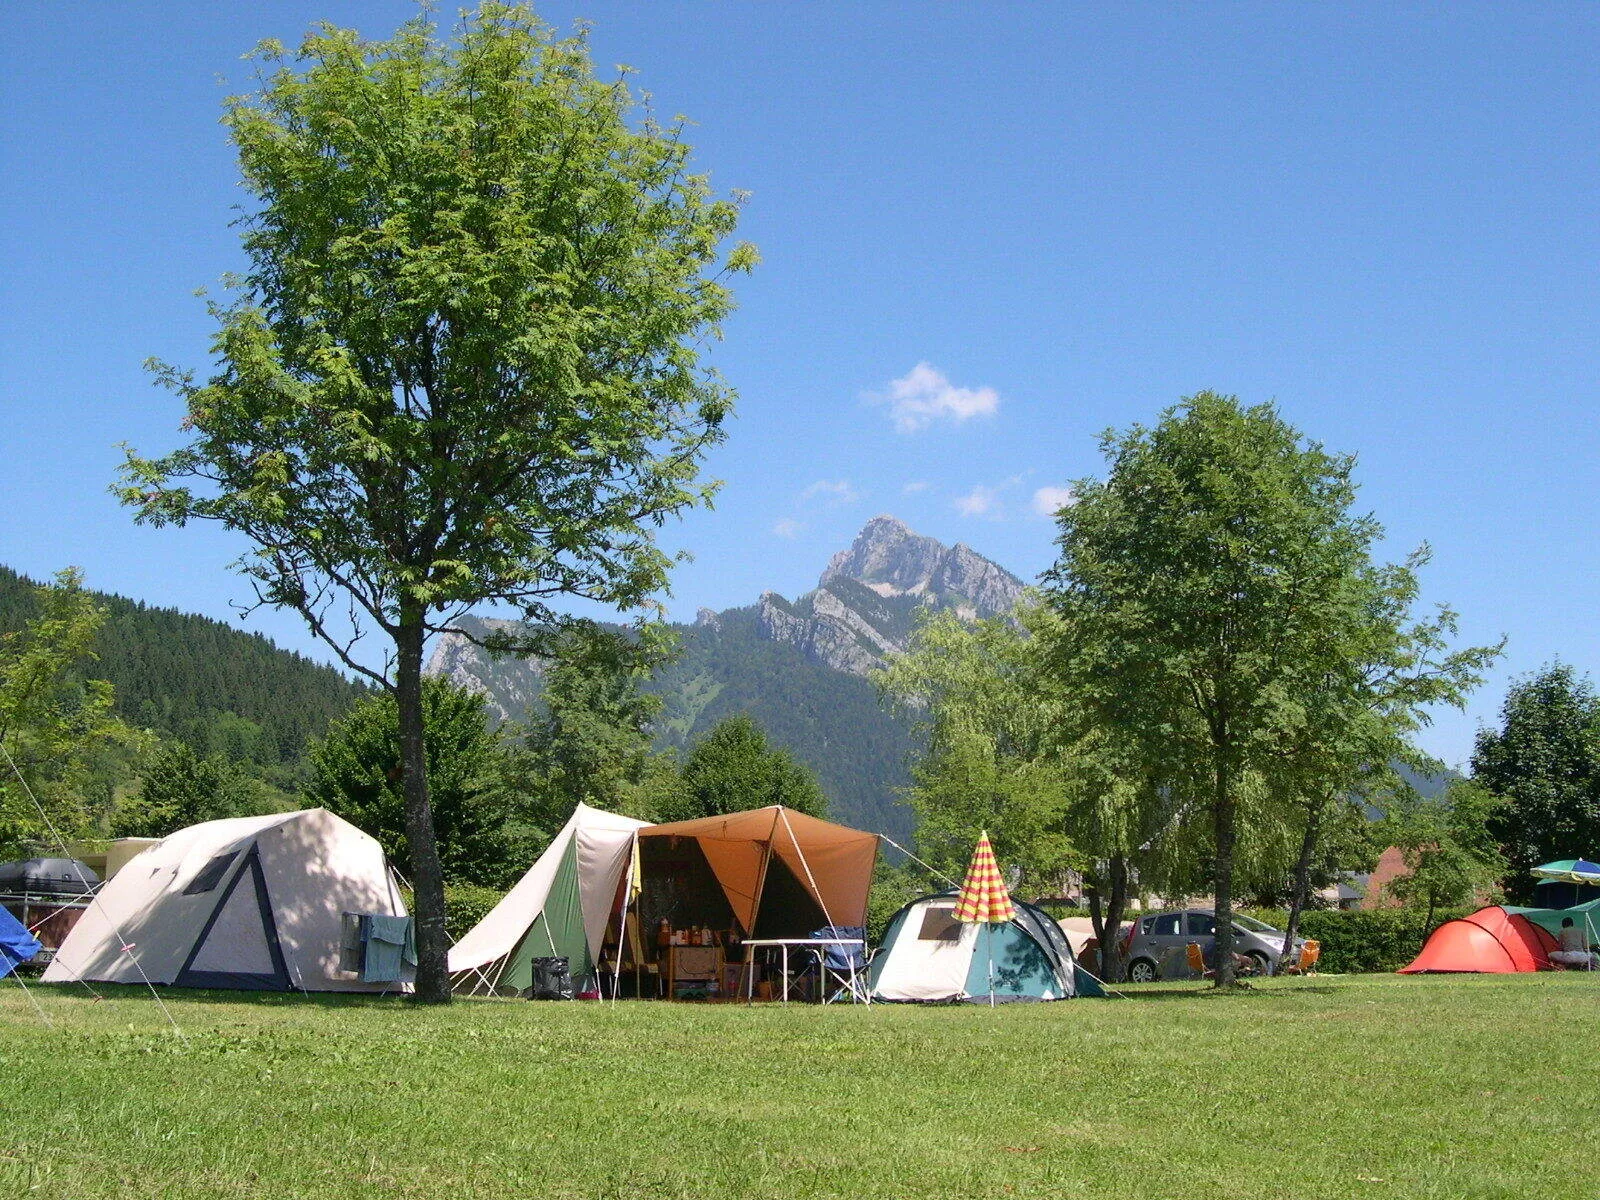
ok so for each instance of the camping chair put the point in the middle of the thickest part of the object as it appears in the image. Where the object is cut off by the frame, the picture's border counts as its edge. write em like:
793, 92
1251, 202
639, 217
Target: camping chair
1309, 954
1196, 958
842, 969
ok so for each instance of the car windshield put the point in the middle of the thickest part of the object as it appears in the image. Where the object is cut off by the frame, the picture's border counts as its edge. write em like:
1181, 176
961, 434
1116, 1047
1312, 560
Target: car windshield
1253, 925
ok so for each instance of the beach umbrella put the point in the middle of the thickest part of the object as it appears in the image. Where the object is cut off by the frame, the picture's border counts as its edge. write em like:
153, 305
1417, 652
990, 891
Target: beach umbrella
984, 899
1570, 870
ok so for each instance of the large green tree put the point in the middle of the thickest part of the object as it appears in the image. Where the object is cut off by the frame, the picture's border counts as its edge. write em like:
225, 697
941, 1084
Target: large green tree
733, 768
589, 736
987, 763
1006, 751
1544, 761
1219, 603
462, 364
358, 772
1448, 846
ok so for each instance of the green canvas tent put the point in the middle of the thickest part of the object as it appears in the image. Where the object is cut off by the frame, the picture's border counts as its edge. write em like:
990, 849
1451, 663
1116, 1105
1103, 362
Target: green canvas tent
559, 909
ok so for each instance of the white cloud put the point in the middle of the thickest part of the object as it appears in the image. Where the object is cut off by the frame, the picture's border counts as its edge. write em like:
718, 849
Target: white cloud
979, 502
1047, 501
831, 492
923, 395
986, 500
916, 485
787, 528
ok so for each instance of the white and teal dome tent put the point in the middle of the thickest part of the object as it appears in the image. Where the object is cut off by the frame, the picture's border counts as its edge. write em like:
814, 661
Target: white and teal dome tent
929, 956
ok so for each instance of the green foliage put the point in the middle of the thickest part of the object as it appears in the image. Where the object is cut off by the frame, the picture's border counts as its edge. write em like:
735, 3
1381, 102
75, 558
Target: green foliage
1224, 628
1450, 853
1345, 840
990, 763
1544, 760
53, 722
463, 364
589, 739
180, 788
732, 768
465, 904
224, 692
356, 772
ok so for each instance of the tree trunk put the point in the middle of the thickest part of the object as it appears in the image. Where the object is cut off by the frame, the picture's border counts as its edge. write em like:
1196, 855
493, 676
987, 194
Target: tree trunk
1302, 882
427, 875
1224, 819
1108, 921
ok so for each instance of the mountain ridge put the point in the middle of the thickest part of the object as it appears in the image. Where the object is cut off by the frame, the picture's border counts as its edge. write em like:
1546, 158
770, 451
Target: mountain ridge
801, 668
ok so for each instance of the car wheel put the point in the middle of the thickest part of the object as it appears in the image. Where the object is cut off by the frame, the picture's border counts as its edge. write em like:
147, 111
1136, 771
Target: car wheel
1263, 964
1141, 970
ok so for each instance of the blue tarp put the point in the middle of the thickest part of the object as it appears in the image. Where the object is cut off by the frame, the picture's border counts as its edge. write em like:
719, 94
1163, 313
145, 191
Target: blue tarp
17, 945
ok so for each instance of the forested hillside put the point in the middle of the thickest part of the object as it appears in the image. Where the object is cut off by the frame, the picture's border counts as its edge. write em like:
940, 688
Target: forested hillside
219, 689
830, 720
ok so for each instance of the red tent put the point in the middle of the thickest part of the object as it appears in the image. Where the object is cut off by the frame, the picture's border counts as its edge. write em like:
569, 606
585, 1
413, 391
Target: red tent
1491, 941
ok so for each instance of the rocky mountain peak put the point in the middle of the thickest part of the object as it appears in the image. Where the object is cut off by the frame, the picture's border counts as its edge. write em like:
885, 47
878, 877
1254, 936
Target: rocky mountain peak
893, 560
865, 606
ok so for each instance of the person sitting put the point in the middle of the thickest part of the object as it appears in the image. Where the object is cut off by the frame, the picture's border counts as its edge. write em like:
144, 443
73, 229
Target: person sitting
1574, 952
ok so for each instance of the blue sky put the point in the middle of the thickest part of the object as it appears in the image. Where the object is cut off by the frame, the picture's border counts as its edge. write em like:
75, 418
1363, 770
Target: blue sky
1028, 222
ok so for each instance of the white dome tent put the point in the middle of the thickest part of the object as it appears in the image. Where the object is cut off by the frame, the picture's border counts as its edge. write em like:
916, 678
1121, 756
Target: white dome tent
262, 903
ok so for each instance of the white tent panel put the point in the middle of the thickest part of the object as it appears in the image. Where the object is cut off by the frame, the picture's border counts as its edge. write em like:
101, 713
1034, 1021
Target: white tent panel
927, 968
237, 941
317, 869
147, 902
605, 852
503, 925
145, 922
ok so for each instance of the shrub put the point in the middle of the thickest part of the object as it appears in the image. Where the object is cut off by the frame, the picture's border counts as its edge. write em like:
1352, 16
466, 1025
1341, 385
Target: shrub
465, 904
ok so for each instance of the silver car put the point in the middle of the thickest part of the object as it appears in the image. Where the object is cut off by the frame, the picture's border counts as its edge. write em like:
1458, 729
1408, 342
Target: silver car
1156, 947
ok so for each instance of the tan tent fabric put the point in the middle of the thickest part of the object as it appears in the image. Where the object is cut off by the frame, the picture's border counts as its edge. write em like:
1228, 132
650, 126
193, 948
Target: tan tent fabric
738, 846
840, 859
740, 865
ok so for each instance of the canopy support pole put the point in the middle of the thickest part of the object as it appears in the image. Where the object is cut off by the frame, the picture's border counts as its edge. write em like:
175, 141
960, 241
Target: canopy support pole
622, 918
855, 985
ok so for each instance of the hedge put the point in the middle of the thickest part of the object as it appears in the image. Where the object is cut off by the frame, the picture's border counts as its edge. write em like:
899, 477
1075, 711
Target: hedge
465, 904
1363, 940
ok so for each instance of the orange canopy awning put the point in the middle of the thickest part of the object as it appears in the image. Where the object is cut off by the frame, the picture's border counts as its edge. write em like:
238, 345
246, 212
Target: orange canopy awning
832, 862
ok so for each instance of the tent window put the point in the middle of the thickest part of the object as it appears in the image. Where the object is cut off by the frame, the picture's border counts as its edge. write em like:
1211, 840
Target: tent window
350, 943
211, 875
939, 925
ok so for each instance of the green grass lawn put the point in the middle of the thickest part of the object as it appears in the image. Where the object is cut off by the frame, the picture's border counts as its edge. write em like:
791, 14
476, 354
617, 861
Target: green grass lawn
1344, 1087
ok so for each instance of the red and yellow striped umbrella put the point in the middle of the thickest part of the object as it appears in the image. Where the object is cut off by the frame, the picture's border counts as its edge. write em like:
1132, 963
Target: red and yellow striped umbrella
984, 899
